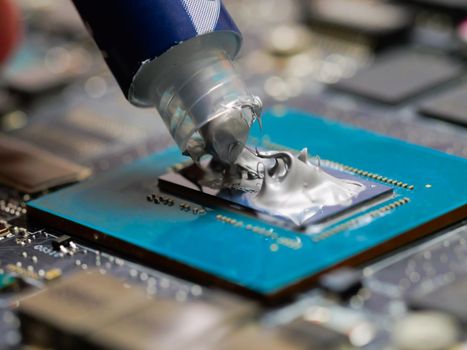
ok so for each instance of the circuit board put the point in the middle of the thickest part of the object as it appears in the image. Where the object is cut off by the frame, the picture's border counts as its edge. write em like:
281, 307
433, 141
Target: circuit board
275, 260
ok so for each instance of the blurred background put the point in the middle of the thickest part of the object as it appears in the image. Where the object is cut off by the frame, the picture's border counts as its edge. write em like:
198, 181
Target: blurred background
393, 67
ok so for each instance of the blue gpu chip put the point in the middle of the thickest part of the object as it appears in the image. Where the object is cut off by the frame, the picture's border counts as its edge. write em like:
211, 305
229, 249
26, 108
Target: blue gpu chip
215, 245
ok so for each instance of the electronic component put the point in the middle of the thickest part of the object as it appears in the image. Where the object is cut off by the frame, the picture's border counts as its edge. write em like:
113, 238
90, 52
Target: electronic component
377, 20
252, 336
75, 306
61, 241
65, 245
6, 281
63, 141
450, 106
4, 228
185, 183
38, 69
343, 282
11, 208
52, 274
112, 210
11, 284
99, 133
29, 169
332, 324
91, 310
165, 324
425, 331
450, 298
315, 335
22, 274
397, 77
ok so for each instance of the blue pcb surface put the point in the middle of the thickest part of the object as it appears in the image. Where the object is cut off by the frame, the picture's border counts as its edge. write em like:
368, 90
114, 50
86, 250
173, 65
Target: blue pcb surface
244, 250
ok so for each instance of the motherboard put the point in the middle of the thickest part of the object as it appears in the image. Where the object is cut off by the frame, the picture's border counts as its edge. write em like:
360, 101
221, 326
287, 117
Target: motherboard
108, 240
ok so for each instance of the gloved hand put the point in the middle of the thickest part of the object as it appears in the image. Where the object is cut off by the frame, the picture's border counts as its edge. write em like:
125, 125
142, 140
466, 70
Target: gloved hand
10, 28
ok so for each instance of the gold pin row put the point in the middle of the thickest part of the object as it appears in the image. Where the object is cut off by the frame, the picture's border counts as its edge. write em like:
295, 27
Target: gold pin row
356, 221
263, 231
378, 177
230, 221
195, 210
160, 199
357, 171
393, 205
164, 200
